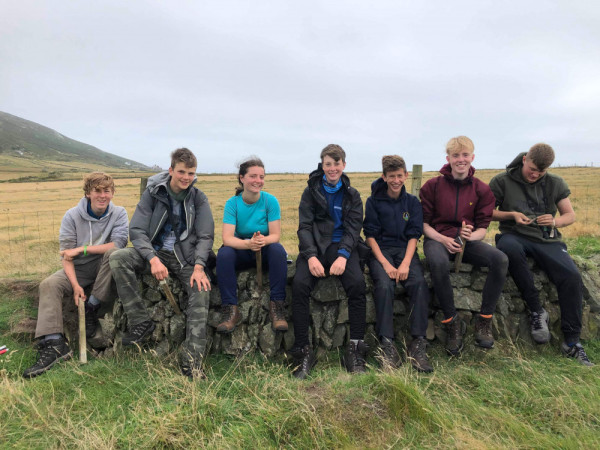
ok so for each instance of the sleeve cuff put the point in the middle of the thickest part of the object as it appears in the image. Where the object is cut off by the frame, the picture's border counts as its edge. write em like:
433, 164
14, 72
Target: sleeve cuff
343, 252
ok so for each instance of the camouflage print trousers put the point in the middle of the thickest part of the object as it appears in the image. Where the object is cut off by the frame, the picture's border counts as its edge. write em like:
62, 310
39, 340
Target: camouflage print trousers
127, 263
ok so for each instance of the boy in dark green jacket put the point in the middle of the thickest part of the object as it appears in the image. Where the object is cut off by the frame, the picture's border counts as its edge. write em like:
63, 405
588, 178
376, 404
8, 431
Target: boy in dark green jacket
527, 199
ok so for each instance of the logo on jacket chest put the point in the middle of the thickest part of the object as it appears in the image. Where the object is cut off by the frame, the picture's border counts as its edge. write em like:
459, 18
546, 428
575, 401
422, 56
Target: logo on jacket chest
406, 216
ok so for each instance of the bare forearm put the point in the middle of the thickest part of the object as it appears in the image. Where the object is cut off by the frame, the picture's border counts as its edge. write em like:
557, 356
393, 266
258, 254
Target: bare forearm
478, 234
431, 233
69, 269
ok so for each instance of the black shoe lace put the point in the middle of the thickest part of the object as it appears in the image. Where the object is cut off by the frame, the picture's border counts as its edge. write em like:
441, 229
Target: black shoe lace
484, 327
580, 354
279, 310
227, 313
139, 329
47, 355
536, 321
455, 329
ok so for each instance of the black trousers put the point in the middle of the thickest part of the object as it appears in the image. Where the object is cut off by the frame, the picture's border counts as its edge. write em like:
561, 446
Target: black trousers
304, 282
477, 253
552, 258
385, 288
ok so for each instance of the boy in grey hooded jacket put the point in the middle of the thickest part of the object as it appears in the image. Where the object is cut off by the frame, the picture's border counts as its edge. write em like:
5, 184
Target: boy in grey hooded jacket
89, 233
172, 232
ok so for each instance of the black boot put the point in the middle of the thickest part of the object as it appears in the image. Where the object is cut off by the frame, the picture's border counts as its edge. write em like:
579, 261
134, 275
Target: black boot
51, 351
91, 319
138, 333
354, 357
304, 361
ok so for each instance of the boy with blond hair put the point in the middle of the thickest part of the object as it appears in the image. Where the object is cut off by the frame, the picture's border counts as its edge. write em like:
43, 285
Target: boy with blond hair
89, 233
457, 209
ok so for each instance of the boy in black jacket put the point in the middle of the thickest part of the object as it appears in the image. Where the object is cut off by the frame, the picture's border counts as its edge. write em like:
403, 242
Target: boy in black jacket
331, 214
393, 225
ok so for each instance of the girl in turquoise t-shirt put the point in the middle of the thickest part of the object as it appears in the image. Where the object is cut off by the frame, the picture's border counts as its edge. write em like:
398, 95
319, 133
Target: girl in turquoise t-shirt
251, 224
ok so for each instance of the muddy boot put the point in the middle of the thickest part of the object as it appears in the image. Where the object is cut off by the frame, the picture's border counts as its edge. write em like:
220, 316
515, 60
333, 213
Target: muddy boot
230, 318
277, 315
483, 332
455, 330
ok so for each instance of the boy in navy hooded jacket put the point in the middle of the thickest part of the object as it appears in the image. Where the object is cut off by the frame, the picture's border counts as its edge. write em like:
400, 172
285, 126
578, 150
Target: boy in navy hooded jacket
393, 224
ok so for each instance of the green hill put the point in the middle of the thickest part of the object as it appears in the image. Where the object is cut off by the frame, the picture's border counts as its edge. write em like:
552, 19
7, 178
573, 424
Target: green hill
23, 139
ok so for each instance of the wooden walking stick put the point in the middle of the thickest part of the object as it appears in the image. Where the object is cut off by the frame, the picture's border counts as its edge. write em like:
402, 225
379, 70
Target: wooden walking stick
458, 259
82, 340
259, 274
167, 290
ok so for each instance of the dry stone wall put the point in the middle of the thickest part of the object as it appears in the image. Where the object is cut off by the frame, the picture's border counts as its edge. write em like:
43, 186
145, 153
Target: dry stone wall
329, 312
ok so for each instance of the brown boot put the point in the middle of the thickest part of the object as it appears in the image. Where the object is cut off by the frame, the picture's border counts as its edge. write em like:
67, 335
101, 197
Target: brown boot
230, 317
277, 314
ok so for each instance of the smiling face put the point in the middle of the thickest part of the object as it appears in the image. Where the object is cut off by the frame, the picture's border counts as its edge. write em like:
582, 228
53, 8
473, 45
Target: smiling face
100, 198
333, 169
395, 180
253, 180
460, 160
181, 177
530, 171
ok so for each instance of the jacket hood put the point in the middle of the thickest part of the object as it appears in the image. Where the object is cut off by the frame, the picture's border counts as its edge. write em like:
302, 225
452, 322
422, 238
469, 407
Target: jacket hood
514, 170
161, 179
83, 212
517, 162
379, 189
446, 171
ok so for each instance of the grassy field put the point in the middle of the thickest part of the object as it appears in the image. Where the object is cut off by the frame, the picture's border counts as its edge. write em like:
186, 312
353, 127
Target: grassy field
30, 213
509, 397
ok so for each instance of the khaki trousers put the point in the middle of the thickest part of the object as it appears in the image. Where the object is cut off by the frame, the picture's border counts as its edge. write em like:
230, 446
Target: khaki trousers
57, 286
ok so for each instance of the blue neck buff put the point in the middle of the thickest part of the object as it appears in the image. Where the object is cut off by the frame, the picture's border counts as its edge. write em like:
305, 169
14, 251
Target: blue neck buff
329, 188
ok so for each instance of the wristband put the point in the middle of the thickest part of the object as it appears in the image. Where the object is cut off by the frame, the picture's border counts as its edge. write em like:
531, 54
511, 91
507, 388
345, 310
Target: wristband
85, 250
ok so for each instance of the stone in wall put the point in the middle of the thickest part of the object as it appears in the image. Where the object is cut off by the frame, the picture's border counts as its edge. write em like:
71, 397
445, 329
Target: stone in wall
329, 312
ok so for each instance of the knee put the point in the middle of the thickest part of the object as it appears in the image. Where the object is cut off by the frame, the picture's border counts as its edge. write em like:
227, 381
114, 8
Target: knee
511, 248
572, 275
226, 255
276, 252
499, 261
436, 264
117, 258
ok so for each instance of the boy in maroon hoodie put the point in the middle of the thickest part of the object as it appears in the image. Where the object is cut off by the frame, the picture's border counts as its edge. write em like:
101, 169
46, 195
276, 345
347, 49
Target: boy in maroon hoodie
457, 209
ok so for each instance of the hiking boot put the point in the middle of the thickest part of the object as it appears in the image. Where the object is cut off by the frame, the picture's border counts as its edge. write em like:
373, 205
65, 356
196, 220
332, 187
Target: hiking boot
51, 351
577, 352
417, 353
193, 372
354, 357
304, 361
539, 326
91, 319
483, 332
455, 330
230, 317
277, 315
138, 333
388, 355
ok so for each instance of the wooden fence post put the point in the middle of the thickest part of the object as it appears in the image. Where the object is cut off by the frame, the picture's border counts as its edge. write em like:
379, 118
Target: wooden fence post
143, 184
416, 179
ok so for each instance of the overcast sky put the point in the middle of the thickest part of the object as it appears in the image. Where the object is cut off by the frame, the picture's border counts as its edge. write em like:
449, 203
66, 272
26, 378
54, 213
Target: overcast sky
283, 79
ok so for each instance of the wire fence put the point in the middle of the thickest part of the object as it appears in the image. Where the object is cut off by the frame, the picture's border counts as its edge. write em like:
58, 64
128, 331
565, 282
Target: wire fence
29, 234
